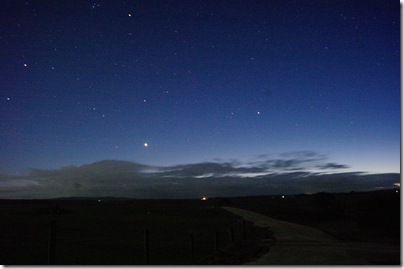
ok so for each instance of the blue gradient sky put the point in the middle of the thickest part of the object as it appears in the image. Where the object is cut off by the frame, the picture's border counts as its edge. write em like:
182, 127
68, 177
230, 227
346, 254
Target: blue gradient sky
85, 81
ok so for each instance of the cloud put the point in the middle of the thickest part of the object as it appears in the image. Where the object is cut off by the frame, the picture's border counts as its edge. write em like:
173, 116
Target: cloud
295, 172
333, 166
101, 168
289, 161
303, 154
199, 169
209, 169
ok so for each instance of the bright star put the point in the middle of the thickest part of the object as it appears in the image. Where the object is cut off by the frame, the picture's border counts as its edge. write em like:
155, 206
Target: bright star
146, 145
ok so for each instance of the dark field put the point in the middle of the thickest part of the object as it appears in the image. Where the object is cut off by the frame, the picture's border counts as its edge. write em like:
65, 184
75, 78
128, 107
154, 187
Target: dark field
111, 232
354, 217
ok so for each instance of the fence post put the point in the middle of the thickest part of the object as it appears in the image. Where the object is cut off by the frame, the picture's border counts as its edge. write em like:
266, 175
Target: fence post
191, 247
215, 242
244, 229
51, 243
231, 234
146, 247
234, 219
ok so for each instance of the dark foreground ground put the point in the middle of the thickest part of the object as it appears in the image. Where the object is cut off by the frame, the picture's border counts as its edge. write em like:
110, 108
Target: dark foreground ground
295, 244
106, 231
355, 217
363, 228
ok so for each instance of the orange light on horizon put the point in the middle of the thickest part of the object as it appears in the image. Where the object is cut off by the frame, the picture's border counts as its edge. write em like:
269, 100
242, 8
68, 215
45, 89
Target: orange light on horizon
204, 198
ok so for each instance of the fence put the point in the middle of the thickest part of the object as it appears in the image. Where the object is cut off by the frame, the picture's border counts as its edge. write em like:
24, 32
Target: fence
213, 243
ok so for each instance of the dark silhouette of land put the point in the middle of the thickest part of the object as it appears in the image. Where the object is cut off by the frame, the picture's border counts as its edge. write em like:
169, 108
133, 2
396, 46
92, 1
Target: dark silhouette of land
110, 231
295, 244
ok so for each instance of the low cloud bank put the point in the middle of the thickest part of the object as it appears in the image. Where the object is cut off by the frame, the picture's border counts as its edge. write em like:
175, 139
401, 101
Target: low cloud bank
292, 173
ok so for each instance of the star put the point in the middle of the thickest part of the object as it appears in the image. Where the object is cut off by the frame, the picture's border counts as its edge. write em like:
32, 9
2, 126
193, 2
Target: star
145, 145
95, 5
25, 65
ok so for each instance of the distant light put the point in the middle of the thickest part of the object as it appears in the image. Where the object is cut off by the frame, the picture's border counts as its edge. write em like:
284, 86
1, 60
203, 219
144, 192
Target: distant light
130, 15
396, 191
204, 198
25, 65
283, 197
99, 201
145, 145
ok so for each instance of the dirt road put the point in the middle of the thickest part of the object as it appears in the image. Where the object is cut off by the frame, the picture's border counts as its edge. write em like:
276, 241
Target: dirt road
301, 245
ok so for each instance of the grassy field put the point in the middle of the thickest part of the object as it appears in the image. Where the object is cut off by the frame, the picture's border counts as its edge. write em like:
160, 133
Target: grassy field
111, 232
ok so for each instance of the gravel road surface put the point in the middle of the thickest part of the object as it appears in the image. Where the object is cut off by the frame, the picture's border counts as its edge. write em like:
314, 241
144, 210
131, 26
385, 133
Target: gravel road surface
301, 245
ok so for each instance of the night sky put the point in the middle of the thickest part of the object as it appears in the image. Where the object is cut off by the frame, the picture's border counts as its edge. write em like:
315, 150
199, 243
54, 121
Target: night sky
178, 82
